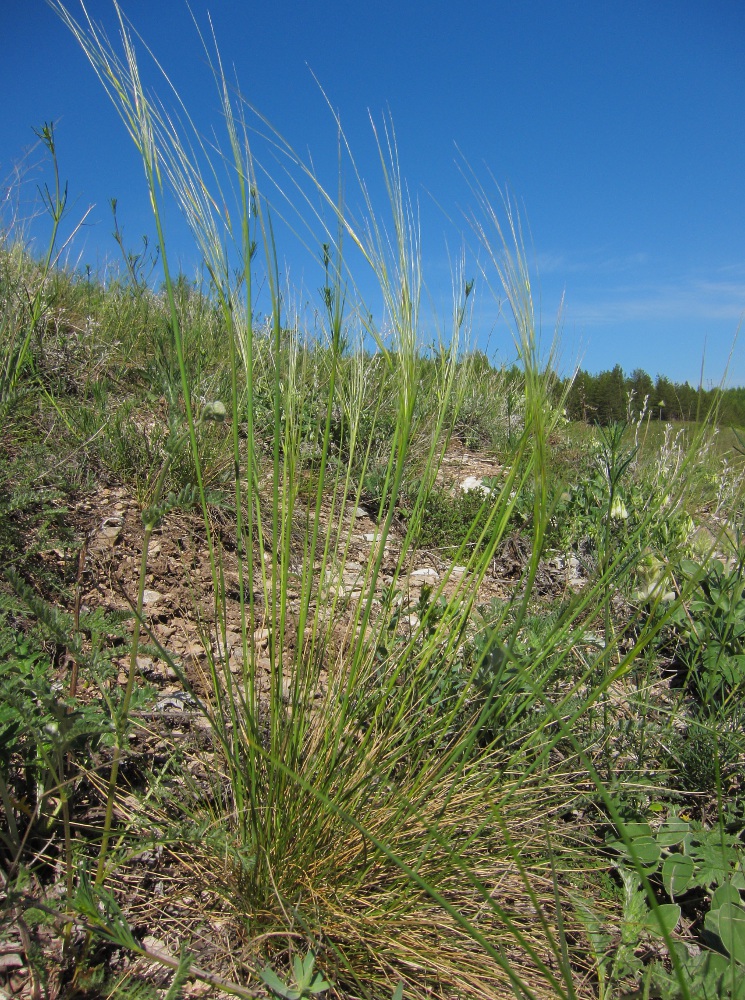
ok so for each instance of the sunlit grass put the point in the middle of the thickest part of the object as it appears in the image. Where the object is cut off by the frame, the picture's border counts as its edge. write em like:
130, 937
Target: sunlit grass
396, 796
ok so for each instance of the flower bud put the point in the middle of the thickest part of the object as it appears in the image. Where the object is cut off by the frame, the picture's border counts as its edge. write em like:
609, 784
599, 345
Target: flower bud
214, 411
618, 510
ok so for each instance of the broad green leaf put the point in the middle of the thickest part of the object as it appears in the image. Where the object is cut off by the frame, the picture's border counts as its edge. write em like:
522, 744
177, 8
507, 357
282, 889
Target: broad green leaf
275, 984
722, 601
715, 964
646, 852
665, 916
726, 893
731, 930
691, 569
298, 967
677, 874
636, 830
319, 984
647, 859
714, 977
672, 833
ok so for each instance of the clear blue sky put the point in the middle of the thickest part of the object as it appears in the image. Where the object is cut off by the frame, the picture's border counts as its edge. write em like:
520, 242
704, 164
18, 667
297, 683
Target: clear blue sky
619, 127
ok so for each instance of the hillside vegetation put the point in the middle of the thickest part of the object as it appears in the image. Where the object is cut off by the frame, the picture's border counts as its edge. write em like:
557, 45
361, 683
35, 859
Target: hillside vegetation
334, 665
610, 395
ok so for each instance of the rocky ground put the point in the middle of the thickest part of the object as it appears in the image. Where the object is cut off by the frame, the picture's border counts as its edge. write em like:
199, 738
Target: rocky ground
178, 599
178, 610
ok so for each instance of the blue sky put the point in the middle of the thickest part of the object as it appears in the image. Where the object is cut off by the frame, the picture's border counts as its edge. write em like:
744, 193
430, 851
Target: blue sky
619, 127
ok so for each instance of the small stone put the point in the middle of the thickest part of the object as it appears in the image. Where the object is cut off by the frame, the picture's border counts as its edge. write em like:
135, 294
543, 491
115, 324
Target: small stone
10, 961
171, 704
458, 570
151, 597
195, 650
145, 666
235, 659
425, 573
111, 528
156, 946
232, 639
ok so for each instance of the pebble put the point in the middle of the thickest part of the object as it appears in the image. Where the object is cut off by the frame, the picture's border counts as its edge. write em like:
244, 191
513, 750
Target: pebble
425, 573
233, 640
156, 946
111, 528
10, 961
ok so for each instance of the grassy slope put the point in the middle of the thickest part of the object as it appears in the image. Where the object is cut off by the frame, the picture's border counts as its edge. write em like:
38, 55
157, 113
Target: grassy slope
413, 783
92, 415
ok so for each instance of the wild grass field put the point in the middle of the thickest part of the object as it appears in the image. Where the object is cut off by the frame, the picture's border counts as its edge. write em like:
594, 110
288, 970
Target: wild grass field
336, 665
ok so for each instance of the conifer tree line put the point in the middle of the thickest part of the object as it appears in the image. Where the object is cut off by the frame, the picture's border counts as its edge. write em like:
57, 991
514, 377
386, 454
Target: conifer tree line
611, 395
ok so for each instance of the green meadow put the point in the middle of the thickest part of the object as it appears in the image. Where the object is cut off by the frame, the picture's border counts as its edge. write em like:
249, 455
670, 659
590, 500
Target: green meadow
335, 662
